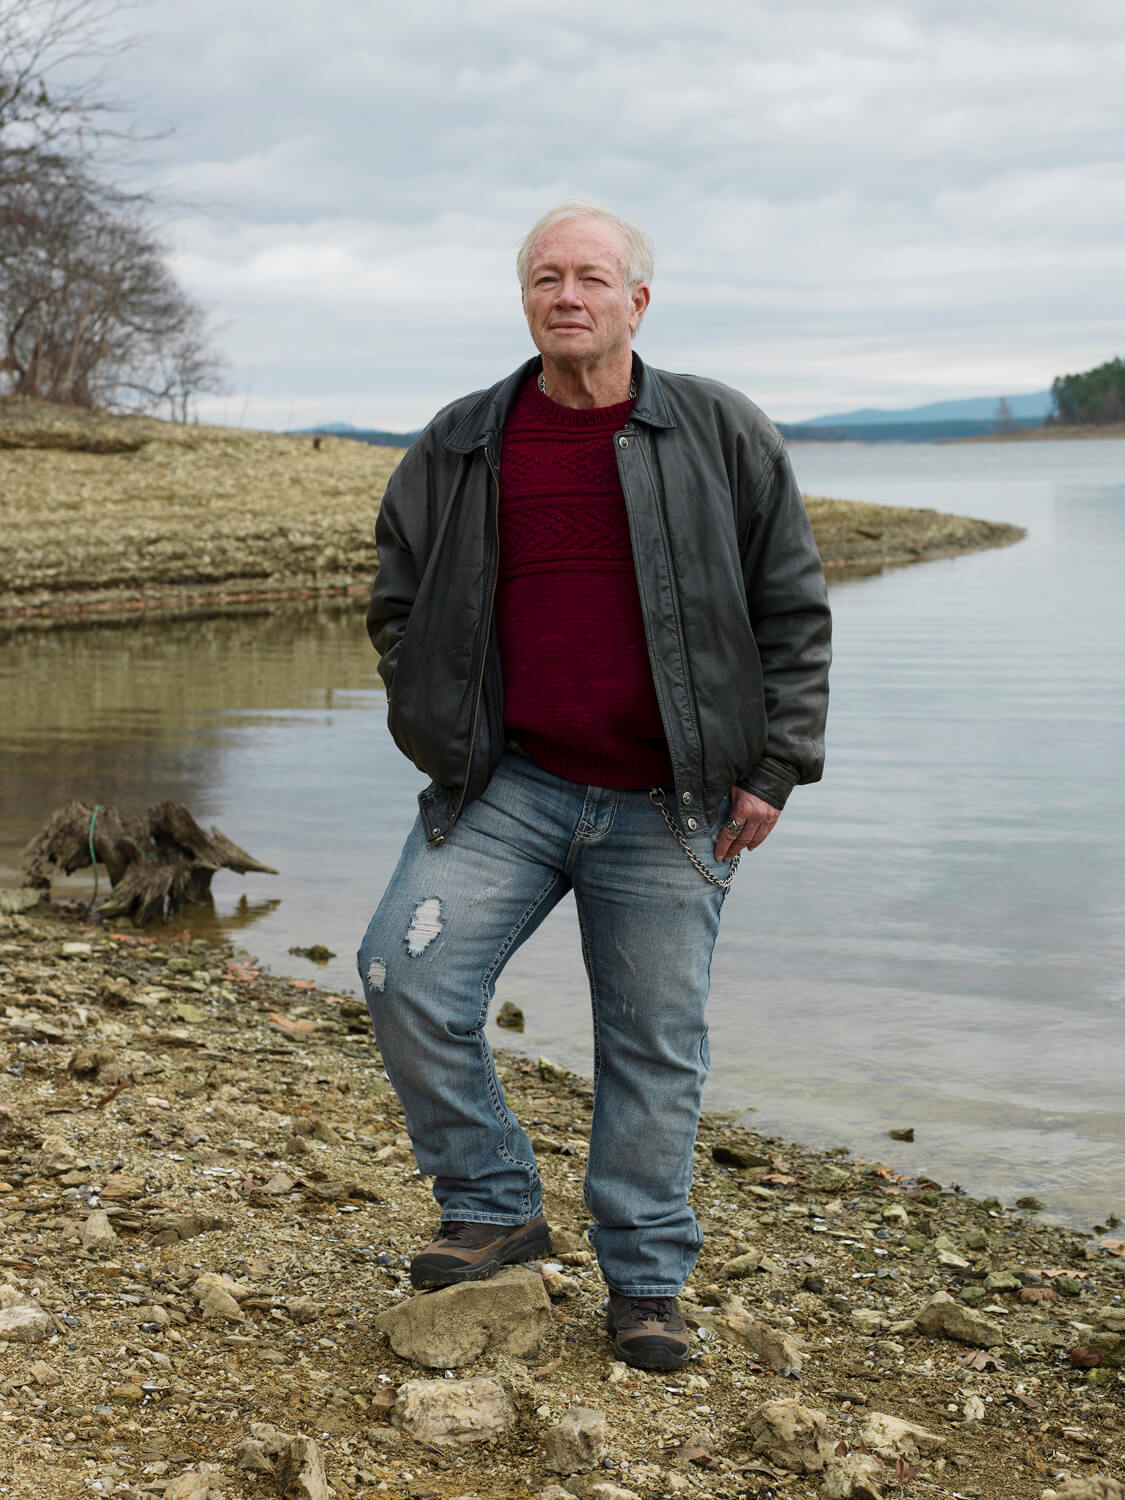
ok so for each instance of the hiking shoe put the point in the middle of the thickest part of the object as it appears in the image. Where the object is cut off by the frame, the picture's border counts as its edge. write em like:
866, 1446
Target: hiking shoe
648, 1332
465, 1251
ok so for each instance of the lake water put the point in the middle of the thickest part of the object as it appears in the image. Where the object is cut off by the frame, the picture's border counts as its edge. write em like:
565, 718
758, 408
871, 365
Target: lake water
934, 936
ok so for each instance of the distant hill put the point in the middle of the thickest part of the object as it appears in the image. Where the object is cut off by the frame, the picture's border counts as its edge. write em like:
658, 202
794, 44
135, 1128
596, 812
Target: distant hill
373, 435
1027, 408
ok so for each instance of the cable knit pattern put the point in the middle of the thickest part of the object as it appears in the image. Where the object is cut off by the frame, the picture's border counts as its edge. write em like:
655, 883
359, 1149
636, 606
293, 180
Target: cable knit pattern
577, 682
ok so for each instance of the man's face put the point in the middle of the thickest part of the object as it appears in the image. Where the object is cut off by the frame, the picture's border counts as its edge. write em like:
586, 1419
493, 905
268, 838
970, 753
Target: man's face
575, 300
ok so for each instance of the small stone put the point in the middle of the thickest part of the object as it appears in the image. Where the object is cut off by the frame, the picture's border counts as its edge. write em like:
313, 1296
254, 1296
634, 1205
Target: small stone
855, 1477
976, 1239
742, 1265
324, 1131
738, 1156
1112, 1319
973, 1410
304, 1309
607, 1490
97, 1233
453, 1411
189, 1486
121, 1187
1002, 1281
790, 1435
301, 1471
252, 1458
905, 1133
1067, 1286
510, 1017
152, 1312
1090, 1487
945, 1318
892, 1437
214, 1303
558, 1285
952, 1261
576, 1443
128, 1394
830, 1179
25, 1322
215, 1279
278, 1185
735, 1324
271, 1439
972, 1294
868, 1320
44, 1374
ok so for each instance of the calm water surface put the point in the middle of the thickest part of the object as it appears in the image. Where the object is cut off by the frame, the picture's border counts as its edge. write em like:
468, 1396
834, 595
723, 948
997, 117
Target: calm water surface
935, 935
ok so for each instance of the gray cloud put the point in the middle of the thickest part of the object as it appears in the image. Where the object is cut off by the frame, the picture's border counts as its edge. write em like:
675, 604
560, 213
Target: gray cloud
866, 204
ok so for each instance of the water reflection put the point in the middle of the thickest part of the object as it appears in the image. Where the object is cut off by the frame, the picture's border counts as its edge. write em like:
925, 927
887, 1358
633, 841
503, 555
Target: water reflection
933, 938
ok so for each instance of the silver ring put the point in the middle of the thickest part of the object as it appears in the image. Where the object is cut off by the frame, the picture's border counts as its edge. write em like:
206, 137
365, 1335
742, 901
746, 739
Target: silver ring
733, 825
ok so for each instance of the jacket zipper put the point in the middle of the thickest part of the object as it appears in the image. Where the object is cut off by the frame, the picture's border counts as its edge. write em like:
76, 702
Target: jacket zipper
484, 651
681, 647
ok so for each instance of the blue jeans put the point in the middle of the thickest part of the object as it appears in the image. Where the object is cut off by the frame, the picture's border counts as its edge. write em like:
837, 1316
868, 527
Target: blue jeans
451, 918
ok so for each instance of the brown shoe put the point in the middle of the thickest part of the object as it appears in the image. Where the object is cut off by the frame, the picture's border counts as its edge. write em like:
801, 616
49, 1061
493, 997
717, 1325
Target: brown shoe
648, 1332
464, 1251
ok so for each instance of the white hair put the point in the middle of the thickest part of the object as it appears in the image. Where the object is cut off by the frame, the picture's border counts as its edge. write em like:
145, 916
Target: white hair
637, 265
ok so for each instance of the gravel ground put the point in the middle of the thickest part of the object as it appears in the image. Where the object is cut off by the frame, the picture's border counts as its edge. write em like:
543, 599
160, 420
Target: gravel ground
103, 517
228, 1121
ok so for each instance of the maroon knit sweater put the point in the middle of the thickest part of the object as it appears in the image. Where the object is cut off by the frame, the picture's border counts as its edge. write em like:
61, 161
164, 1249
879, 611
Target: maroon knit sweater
578, 687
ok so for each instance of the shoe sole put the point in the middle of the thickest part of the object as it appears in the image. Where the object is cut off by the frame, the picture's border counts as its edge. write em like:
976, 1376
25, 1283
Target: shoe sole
426, 1279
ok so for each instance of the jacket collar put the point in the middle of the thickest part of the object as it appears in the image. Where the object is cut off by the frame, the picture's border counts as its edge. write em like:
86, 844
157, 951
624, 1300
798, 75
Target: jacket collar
484, 421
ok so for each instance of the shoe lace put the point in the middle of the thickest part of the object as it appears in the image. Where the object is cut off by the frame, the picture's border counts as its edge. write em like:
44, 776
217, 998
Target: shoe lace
651, 1309
452, 1230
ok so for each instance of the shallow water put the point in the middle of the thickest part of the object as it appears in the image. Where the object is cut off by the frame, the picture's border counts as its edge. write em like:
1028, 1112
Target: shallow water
933, 937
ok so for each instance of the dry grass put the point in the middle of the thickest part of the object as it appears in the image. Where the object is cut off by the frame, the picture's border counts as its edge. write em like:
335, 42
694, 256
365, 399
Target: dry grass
108, 516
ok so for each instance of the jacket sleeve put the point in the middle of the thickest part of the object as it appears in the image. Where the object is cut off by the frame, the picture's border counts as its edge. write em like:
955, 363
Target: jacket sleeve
787, 600
399, 541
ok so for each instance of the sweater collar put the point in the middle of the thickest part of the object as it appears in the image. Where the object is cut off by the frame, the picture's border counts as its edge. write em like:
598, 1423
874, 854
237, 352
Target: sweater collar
484, 421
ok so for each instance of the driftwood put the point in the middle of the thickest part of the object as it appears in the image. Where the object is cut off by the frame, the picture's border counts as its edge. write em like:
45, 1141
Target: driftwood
156, 860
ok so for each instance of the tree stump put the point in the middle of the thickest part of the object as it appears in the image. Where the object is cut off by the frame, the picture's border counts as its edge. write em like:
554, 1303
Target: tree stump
156, 861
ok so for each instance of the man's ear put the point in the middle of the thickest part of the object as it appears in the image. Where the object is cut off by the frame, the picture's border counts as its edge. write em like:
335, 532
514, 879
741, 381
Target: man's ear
641, 299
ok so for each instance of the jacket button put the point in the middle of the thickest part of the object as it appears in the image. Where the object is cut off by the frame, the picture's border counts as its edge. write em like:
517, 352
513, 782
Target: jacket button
686, 799
622, 442
692, 824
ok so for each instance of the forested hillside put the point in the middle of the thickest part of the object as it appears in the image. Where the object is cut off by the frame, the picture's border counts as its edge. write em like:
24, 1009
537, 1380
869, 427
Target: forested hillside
1095, 398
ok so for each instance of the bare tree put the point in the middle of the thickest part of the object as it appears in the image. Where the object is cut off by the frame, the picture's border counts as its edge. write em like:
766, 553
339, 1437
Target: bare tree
46, 117
90, 312
1003, 418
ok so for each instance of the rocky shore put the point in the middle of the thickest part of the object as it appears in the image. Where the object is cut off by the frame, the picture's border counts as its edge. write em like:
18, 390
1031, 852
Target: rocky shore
207, 1205
103, 518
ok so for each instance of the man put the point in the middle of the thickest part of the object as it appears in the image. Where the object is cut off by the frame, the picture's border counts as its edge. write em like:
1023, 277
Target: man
605, 637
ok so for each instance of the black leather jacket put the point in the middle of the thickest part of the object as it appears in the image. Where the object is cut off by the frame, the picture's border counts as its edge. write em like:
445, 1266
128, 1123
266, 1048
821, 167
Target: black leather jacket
732, 592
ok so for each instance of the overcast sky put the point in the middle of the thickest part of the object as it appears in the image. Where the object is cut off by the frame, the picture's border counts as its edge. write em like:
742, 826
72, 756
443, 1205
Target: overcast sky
852, 203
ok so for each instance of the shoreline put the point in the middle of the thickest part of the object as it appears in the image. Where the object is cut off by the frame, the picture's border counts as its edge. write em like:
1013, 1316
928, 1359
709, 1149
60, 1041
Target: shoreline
233, 1122
114, 519
1114, 430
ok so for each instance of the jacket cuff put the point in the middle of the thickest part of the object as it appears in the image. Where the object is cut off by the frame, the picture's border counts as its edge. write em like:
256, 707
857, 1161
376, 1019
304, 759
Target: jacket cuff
772, 780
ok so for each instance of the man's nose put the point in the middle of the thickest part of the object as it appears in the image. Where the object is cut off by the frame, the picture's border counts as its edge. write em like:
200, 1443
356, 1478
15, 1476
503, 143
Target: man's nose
568, 290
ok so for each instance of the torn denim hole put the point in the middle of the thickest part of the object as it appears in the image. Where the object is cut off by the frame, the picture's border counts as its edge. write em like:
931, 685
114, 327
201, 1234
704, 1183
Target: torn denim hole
424, 927
377, 975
